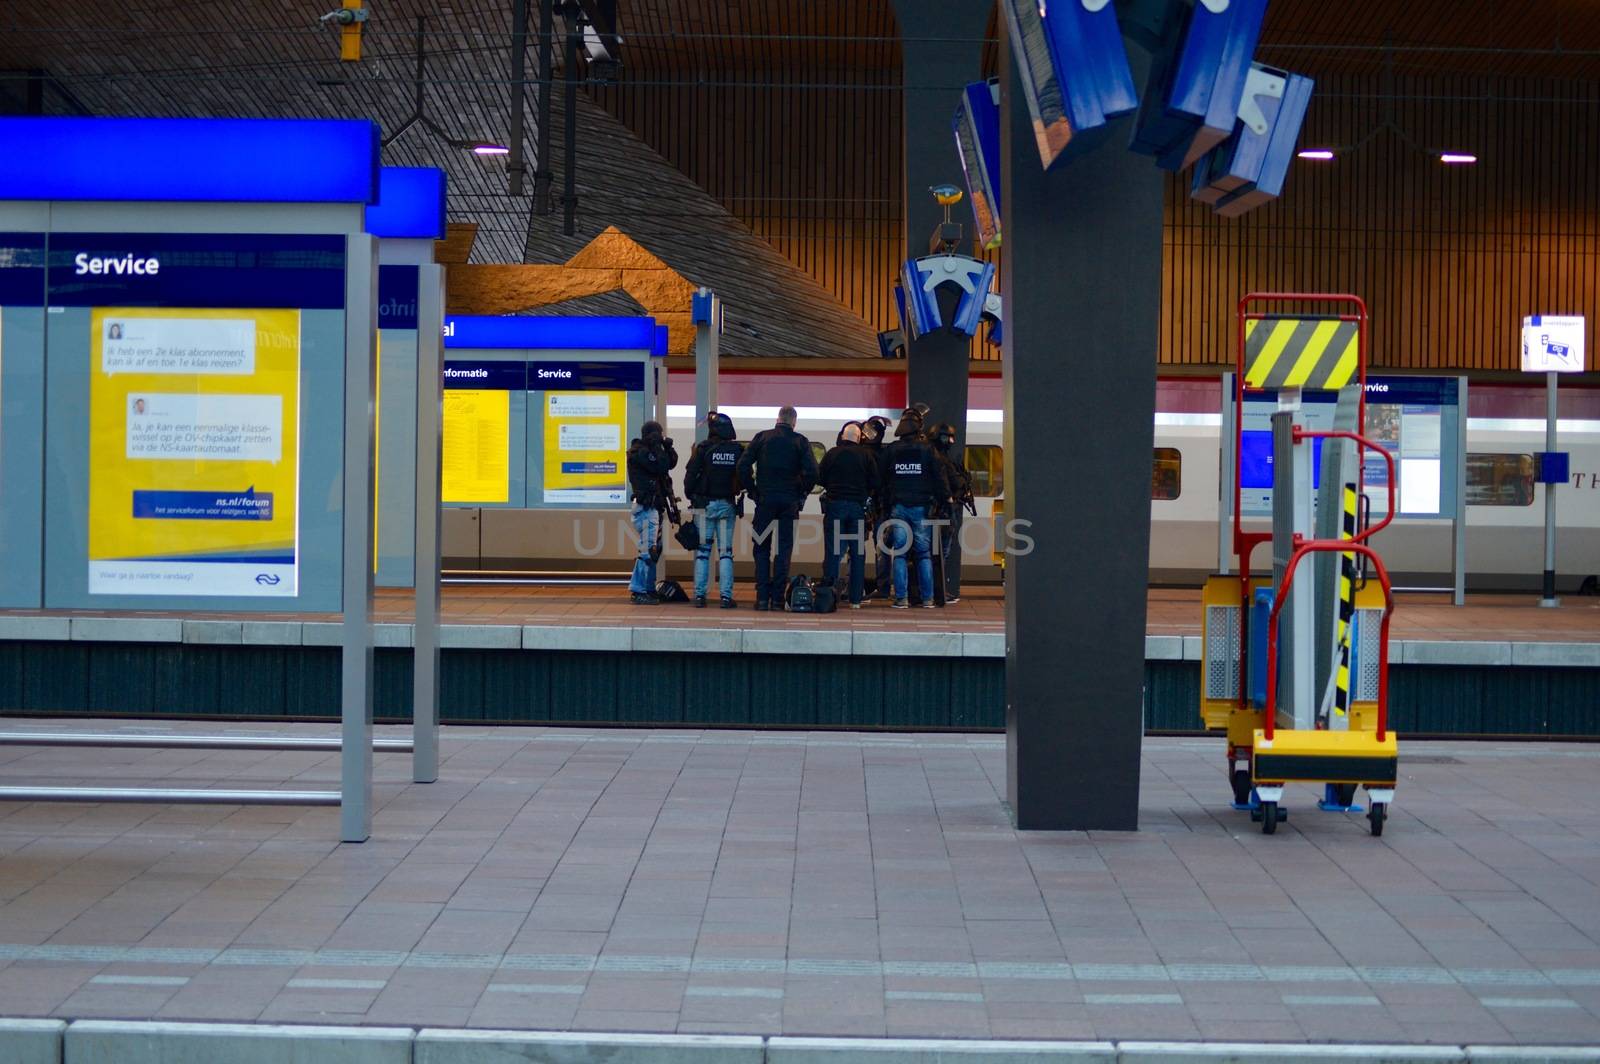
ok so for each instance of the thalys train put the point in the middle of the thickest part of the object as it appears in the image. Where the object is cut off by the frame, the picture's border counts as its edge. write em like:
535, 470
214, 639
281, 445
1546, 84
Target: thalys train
1504, 539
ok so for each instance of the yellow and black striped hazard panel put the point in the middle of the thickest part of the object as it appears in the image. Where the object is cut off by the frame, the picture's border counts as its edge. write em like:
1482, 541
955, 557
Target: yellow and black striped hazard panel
1315, 353
1347, 603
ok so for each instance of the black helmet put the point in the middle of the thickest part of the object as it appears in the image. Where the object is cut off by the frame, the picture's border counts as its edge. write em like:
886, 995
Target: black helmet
943, 435
651, 430
719, 426
910, 425
875, 428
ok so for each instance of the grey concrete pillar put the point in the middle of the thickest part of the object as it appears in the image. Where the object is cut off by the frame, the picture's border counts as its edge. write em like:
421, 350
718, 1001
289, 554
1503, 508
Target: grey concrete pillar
941, 49
1082, 289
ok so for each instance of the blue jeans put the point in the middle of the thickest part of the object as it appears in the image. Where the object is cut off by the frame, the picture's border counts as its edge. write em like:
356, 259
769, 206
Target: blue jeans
716, 523
912, 519
846, 533
647, 529
774, 520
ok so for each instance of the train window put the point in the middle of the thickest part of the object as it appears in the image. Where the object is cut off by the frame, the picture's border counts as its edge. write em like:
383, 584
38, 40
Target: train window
1166, 474
1500, 479
987, 464
818, 451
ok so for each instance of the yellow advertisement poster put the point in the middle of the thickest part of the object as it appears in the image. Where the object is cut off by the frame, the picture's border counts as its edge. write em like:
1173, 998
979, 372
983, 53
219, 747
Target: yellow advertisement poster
585, 447
475, 464
193, 451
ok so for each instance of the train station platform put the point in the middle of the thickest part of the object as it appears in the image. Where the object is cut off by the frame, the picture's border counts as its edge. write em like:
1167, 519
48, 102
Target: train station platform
807, 883
1499, 665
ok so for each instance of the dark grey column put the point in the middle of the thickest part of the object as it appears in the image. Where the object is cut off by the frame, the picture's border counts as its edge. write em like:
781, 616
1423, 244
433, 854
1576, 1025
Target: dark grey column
941, 49
1082, 288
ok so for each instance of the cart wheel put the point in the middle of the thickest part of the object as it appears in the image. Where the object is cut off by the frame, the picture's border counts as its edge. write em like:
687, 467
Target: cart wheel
1345, 793
1241, 786
1376, 815
1269, 817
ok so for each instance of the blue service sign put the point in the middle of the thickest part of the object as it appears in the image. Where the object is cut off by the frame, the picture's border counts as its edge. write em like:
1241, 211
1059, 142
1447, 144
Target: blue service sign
216, 160
196, 270
586, 376
411, 203
397, 297
533, 333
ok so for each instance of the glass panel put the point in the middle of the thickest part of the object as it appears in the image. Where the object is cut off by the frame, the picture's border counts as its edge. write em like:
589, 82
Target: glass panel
818, 451
987, 464
1500, 479
1166, 474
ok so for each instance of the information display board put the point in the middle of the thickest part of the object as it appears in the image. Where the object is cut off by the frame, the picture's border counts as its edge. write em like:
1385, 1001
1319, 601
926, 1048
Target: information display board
22, 284
193, 451
477, 448
586, 420
1407, 416
395, 413
1414, 418
188, 373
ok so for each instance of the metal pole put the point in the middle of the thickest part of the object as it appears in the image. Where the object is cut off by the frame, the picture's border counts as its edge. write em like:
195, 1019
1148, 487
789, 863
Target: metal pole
541, 164
1458, 549
166, 796
519, 71
360, 363
1225, 463
1550, 494
192, 742
425, 638
569, 199
706, 346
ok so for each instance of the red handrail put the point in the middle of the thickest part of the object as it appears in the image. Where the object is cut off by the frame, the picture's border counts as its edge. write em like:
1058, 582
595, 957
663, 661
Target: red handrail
1341, 546
1361, 441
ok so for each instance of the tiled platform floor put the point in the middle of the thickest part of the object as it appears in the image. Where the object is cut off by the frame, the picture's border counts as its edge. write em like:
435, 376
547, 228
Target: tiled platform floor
1513, 618
809, 884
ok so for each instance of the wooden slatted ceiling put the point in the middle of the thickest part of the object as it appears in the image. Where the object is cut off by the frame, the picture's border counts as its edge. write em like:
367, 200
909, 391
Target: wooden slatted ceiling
1449, 258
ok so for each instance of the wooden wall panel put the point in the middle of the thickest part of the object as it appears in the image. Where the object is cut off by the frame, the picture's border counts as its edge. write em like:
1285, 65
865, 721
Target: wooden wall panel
814, 171
1448, 258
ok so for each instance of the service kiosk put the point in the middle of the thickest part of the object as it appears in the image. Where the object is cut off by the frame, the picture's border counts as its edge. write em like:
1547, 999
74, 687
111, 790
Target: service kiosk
408, 217
188, 323
538, 414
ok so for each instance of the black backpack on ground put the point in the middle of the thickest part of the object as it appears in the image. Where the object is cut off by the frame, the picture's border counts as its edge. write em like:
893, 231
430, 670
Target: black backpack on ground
801, 597
826, 598
671, 591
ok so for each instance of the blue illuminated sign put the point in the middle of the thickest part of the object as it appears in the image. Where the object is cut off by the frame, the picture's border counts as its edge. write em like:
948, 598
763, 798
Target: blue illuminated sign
216, 160
525, 332
486, 376
196, 270
586, 376
411, 203
660, 345
397, 297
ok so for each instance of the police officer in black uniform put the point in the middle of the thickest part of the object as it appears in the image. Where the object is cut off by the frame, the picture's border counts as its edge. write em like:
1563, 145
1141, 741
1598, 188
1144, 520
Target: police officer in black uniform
711, 480
916, 487
849, 477
943, 438
779, 470
651, 459
873, 430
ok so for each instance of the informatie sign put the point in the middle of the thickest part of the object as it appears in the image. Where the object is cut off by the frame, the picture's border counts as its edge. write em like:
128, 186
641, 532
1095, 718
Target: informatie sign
193, 448
1552, 344
476, 451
